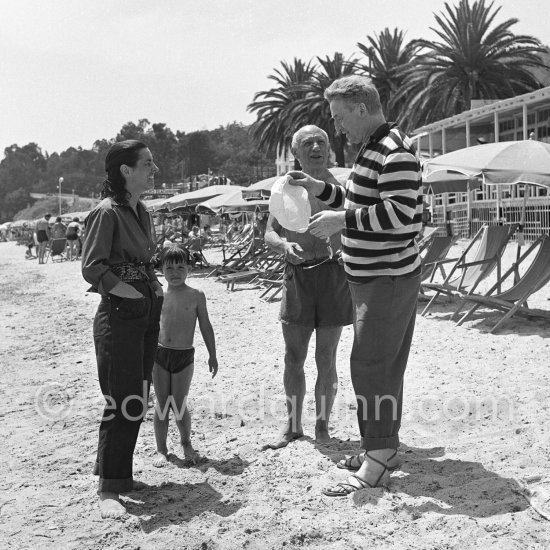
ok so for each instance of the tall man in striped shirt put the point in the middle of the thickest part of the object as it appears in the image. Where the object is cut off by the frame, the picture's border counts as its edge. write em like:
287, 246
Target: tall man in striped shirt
381, 217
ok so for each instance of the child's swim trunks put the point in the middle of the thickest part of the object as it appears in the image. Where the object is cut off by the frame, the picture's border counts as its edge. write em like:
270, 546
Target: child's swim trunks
174, 360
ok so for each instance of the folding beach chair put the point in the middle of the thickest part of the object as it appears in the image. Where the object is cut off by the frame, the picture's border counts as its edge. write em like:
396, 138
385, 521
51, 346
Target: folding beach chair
273, 286
194, 245
56, 247
262, 264
434, 257
426, 237
514, 300
491, 241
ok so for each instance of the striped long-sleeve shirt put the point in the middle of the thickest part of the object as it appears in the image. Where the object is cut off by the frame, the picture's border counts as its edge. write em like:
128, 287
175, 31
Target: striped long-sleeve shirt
383, 204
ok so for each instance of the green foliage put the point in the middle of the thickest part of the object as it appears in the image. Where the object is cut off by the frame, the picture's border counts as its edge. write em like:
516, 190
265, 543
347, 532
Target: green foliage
227, 150
387, 56
298, 100
475, 58
419, 81
40, 208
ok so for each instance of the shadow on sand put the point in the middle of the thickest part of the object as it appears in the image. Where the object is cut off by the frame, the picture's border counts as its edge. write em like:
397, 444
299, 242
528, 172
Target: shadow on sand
427, 482
484, 320
233, 466
176, 503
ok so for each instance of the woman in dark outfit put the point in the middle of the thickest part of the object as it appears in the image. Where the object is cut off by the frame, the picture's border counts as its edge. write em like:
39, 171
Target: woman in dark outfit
116, 257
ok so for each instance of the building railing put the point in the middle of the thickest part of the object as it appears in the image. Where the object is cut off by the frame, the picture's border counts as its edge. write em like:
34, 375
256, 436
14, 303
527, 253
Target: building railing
536, 220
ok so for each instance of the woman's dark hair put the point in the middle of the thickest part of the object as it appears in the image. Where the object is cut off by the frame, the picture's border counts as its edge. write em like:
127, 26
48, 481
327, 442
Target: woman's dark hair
121, 152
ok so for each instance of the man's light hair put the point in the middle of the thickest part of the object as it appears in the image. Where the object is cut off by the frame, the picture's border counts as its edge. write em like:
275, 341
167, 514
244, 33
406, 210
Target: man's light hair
297, 137
355, 89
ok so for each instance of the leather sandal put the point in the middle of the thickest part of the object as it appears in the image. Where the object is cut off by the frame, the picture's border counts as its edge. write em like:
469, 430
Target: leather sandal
354, 462
345, 489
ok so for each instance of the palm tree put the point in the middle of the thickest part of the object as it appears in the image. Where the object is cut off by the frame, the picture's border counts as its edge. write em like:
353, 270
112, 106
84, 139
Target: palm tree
313, 108
472, 61
387, 56
274, 127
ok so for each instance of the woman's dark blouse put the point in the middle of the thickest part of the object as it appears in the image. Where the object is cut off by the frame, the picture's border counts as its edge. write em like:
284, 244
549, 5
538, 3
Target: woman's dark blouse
114, 235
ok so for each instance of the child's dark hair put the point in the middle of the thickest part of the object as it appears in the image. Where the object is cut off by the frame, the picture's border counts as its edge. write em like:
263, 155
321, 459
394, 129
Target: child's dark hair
175, 254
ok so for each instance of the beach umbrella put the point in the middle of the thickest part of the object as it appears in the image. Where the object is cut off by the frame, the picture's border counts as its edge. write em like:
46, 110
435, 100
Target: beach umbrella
262, 189
215, 204
448, 181
154, 205
186, 202
508, 162
254, 205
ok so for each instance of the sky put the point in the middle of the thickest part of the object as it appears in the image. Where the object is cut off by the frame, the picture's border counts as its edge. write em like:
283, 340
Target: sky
73, 71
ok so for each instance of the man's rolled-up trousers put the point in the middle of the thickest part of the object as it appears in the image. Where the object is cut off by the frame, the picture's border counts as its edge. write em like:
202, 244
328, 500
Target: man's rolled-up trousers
384, 313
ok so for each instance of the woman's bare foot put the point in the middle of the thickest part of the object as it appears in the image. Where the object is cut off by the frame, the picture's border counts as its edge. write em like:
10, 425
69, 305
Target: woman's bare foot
110, 506
160, 460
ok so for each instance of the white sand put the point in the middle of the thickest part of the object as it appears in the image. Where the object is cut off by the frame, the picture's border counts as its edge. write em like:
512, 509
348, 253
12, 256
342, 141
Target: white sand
476, 422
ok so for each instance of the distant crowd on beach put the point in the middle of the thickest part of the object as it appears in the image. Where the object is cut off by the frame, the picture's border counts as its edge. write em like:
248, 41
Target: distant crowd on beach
38, 237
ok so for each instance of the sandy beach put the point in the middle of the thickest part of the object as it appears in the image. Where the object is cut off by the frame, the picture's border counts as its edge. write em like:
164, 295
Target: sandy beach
475, 428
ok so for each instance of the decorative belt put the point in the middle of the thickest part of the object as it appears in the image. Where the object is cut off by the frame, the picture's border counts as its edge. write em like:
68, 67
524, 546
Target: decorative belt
131, 271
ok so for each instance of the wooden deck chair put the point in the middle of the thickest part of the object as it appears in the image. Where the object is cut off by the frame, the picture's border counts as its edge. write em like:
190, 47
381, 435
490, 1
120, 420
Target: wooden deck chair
435, 257
427, 235
514, 300
255, 250
194, 245
273, 286
239, 253
261, 264
56, 247
491, 241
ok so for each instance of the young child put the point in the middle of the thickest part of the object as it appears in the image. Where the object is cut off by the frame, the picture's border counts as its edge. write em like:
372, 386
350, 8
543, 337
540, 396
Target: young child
174, 362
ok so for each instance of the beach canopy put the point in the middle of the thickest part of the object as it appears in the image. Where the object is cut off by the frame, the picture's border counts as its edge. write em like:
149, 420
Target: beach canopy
509, 162
187, 201
214, 205
20, 223
262, 189
257, 205
449, 181
151, 204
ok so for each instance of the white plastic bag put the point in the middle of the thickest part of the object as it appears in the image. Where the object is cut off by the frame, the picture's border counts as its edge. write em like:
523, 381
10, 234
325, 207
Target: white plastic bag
290, 205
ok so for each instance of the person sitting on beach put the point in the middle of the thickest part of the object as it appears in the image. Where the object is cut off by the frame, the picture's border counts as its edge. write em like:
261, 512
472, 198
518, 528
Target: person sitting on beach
194, 244
43, 236
58, 229
316, 298
174, 361
233, 230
